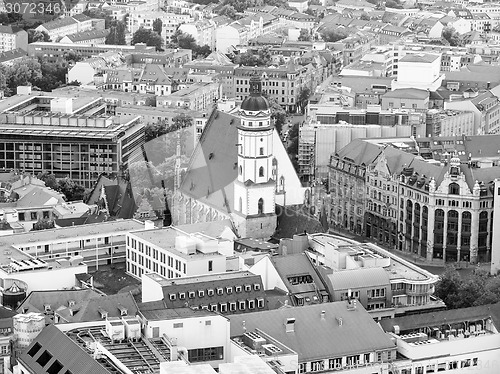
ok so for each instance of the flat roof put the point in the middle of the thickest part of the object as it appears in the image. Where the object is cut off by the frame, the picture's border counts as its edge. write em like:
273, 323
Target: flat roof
72, 232
162, 281
165, 238
175, 313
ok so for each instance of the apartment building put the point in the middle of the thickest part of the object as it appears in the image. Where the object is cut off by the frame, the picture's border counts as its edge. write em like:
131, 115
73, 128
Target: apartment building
91, 37
69, 137
197, 96
175, 253
96, 244
220, 64
12, 37
467, 335
170, 22
61, 27
54, 51
282, 84
437, 210
202, 31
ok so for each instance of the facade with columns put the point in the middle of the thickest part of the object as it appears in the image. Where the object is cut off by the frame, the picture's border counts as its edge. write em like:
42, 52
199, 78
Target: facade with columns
437, 212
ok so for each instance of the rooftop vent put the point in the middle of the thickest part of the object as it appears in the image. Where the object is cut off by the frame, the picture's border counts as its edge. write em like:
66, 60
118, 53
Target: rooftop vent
290, 325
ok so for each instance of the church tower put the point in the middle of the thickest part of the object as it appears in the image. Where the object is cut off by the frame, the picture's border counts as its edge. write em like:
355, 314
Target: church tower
254, 191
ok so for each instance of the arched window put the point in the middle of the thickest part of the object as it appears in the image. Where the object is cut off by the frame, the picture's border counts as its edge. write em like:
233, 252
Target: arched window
241, 205
260, 206
261, 171
453, 189
241, 170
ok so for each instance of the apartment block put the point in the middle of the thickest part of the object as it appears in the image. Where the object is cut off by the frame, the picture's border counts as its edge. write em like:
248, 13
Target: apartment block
12, 37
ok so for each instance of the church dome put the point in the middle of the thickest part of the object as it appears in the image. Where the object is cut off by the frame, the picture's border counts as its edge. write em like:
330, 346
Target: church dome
255, 102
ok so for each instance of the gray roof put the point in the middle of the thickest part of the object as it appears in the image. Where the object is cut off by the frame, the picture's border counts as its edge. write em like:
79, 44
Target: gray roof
407, 93
315, 338
419, 57
417, 321
71, 356
36, 300
358, 278
152, 314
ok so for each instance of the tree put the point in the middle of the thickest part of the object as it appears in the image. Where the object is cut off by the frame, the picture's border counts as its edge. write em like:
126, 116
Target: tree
37, 36
181, 121
72, 190
49, 180
100, 14
149, 37
334, 35
278, 114
185, 41
154, 130
451, 36
116, 34
305, 35
72, 57
395, 4
228, 11
448, 287
157, 26
43, 224
303, 98
23, 73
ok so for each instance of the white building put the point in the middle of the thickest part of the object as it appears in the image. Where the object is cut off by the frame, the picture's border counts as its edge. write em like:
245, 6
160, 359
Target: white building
420, 71
203, 32
12, 37
170, 22
175, 252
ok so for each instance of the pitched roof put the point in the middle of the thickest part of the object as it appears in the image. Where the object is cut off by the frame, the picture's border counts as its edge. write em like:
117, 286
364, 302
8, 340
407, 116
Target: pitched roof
57, 23
36, 300
9, 29
88, 35
417, 321
12, 55
293, 265
90, 309
358, 278
315, 338
407, 93
419, 57
69, 354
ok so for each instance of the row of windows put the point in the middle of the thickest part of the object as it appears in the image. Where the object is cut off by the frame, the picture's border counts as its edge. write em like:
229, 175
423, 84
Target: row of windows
212, 292
452, 365
233, 306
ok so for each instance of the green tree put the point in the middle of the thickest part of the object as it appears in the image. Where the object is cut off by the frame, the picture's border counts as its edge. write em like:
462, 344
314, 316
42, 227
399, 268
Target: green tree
100, 14
157, 26
72, 190
185, 41
395, 4
303, 98
116, 34
149, 37
334, 35
305, 35
180, 121
451, 36
49, 179
43, 224
154, 130
37, 36
228, 11
448, 287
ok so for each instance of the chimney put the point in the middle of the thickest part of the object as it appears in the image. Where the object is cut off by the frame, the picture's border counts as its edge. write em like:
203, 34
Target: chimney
173, 349
323, 313
339, 320
290, 325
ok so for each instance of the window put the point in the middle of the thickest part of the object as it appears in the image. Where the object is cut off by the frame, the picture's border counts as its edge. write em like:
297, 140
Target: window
34, 350
317, 365
241, 305
251, 304
210, 265
44, 358
229, 290
256, 287
220, 291
182, 295
261, 171
248, 287
223, 307
201, 293
191, 294
238, 289
260, 205
55, 368
210, 292
453, 365
302, 367
172, 296
335, 363
208, 323
213, 307
206, 354
261, 151
260, 303
232, 306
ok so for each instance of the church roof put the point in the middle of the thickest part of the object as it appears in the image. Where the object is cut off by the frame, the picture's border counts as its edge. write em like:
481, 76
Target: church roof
213, 166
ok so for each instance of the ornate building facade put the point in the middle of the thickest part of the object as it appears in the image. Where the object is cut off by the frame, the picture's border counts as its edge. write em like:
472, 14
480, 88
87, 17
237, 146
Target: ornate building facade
437, 211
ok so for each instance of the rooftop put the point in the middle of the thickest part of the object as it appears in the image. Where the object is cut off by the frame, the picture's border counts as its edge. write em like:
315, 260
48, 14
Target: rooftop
317, 335
420, 57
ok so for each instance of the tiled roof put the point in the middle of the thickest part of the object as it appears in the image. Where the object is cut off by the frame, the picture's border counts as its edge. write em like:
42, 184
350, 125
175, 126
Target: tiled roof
417, 321
297, 264
88, 35
62, 349
315, 338
419, 57
9, 29
358, 278
57, 23
90, 309
214, 283
407, 93
12, 55
36, 300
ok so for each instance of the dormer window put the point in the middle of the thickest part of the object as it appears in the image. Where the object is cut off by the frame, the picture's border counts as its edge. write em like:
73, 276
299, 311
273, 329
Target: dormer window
123, 311
71, 303
220, 291
103, 313
46, 307
201, 293
172, 296
191, 294
229, 290
248, 287
256, 287
238, 289
182, 295
210, 292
